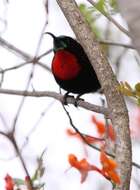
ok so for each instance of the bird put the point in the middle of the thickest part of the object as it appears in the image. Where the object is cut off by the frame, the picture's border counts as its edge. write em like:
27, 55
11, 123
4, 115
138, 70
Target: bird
71, 67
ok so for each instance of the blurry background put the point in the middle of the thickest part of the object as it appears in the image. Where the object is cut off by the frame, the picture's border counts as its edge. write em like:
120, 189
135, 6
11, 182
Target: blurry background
42, 122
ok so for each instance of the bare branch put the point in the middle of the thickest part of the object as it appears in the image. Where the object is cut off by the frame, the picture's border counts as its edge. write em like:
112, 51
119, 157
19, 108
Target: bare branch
46, 4
41, 38
2, 79
59, 97
23, 99
22, 54
30, 76
33, 129
11, 138
2, 118
106, 42
14, 67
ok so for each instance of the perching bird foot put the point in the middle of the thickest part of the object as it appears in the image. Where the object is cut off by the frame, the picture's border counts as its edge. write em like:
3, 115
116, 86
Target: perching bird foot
77, 99
65, 98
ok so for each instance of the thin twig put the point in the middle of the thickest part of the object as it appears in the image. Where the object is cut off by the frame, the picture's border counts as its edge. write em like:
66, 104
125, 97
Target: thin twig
10, 47
44, 54
33, 129
118, 61
2, 118
106, 42
23, 99
77, 130
10, 137
19, 154
40, 38
46, 4
110, 18
137, 59
14, 67
82, 135
21, 159
136, 165
30, 77
2, 79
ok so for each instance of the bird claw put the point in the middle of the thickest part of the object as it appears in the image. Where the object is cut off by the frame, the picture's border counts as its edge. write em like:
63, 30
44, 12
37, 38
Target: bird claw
65, 98
70, 96
77, 99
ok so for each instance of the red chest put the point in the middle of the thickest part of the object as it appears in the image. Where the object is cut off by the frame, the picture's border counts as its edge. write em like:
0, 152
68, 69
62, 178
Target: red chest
65, 66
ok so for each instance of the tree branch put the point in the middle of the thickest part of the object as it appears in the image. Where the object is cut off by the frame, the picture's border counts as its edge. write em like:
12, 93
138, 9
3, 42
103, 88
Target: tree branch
110, 18
22, 54
59, 97
110, 43
11, 138
115, 101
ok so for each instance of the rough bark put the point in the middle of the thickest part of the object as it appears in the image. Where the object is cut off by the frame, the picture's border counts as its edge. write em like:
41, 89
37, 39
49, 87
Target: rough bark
115, 101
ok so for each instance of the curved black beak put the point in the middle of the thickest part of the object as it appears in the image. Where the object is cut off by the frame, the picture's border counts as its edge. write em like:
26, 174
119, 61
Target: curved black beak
52, 35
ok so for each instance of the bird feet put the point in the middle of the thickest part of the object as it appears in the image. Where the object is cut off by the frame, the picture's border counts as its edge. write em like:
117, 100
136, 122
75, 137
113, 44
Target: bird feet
76, 99
65, 98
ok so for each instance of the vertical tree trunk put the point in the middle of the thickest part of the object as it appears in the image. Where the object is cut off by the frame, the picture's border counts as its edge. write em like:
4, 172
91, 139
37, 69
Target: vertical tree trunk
115, 101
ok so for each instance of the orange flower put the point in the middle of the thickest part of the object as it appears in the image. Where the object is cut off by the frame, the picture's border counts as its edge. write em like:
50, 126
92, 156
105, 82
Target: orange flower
111, 133
114, 177
70, 132
100, 125
101, 128
89, 139
109, 167
9, 182
82, 166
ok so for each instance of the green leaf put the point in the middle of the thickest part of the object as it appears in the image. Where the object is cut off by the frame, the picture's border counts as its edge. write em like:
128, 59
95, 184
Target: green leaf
126, 89
100, 5
127, 85
88, 13
82, 7
137, 87
39, 172
113, 5
138, 101
19, 181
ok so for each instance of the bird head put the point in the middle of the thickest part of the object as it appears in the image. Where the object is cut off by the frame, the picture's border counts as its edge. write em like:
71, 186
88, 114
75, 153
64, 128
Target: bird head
59, 42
